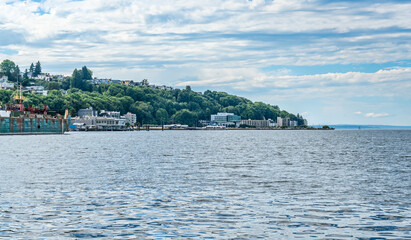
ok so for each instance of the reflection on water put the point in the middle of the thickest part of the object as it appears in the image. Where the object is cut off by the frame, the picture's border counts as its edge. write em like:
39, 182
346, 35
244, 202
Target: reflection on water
207, 184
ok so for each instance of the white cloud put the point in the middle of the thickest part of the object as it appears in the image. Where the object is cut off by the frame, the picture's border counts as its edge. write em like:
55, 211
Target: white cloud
248, 79
376, 115
226, 32
372, 115
220, 44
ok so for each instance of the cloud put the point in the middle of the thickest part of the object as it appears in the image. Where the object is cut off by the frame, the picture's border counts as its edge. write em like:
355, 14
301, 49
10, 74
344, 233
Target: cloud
254, 33
222, 44
376, 115
372, 115
248, 79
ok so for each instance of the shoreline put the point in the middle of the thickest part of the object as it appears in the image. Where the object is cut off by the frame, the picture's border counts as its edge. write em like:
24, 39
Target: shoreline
201, 129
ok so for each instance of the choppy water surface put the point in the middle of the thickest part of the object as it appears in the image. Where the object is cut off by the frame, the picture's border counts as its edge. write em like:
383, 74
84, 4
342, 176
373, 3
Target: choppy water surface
207, 184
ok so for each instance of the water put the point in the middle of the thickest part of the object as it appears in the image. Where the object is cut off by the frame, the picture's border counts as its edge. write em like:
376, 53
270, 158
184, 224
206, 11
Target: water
207, 185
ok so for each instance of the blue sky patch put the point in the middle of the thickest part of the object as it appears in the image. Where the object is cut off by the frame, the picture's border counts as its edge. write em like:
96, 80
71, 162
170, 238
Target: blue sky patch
336, 68
8, 51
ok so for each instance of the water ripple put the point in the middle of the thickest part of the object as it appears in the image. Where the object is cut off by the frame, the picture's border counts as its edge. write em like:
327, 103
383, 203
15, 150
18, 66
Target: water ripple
207, 185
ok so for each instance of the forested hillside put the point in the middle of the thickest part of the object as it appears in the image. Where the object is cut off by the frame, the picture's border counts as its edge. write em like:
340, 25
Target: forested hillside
151, 105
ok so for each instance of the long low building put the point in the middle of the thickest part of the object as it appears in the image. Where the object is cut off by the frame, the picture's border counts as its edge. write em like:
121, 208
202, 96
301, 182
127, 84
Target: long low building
89, 119
258, 123
99, 123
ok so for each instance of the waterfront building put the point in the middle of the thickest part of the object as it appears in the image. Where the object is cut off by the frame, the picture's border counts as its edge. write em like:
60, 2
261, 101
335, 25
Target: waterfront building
131, 118
88, 119
204, 122
110, 123
293, 123
258, 123
109, 114
87, 112
226, 119
175, 126
99, 123
214, 127
286, 122
279, 122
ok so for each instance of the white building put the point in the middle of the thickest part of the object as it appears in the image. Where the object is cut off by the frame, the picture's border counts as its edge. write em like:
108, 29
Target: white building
111, 114
175, 126
99, 123
36, 90
100, 81
258, 123
283, 122
214, 127
279, 122
131, 118
293, 123
43, 76
6, 85
226, 119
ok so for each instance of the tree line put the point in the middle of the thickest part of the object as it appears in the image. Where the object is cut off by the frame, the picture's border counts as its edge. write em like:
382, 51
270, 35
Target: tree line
12, 71
151, 106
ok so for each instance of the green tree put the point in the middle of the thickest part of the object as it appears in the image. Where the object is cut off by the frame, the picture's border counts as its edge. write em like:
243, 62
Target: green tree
53, 86
37, 69
184, 96
185, 116
31, 68
86, 73
143, 112
5, 96
161, 116
25, 81
76, 80
115, 90
144, 82
126, 103
135, 93
55, 101
66, 83
26, 75
8, 68
17, 73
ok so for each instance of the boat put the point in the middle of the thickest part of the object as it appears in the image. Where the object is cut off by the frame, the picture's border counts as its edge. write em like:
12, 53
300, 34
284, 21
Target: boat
16, 119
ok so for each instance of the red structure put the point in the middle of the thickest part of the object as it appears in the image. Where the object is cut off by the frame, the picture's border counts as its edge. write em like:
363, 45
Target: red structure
37, 110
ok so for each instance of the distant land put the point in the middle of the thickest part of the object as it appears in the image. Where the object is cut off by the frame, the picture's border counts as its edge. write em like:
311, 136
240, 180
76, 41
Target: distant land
152, 104
353, 126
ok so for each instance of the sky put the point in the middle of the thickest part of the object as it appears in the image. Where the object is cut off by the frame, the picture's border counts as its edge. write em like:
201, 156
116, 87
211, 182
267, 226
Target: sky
334, 62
